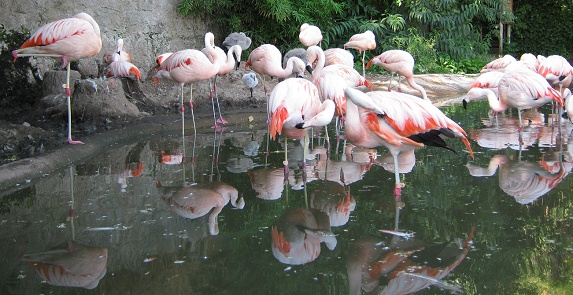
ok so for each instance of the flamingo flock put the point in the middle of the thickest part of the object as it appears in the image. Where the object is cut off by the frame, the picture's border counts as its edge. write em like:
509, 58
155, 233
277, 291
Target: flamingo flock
370, 118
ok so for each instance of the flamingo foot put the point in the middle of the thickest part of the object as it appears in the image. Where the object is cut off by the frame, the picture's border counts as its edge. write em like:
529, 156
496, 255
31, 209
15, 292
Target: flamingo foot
389, 89
68, 91
182, 108
222, 121
70, 141
399, 89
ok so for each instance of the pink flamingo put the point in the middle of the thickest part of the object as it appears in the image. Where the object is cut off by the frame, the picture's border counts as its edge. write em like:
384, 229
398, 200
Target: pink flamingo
338, 56
65, 40
498, 64
267, 59
522, 90
362, 42
309, 35
398, 122
117, 54
120, 68
398, 62
188, 66
557, 71
295, 105
229, 61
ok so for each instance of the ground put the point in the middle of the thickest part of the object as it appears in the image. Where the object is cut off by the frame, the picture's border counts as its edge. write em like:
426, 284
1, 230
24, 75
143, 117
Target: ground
23, 136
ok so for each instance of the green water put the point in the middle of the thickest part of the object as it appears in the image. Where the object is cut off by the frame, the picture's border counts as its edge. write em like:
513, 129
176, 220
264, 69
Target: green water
522, 242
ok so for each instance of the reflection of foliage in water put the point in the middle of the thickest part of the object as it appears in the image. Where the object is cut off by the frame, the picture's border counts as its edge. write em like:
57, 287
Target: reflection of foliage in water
16, 198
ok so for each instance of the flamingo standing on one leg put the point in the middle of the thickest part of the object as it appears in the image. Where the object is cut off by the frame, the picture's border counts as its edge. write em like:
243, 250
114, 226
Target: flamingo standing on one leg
294, 105
398, 122
398, 62
362, 42
190, 65
309, 35
65, 40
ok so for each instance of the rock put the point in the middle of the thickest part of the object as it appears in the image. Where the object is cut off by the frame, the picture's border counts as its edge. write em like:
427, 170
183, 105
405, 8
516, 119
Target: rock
54, 80
94, 100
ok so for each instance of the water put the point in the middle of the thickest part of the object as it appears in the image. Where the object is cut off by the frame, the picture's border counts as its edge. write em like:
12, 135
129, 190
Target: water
460, 226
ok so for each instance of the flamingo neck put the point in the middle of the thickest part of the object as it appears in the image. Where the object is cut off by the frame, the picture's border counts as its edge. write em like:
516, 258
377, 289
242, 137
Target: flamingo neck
320, 62
418, 87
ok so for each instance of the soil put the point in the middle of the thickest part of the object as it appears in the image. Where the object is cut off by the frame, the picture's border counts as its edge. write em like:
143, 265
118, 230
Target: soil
24, 137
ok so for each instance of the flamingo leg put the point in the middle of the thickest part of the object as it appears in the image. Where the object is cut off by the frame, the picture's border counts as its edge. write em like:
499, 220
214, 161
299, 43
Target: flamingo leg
212, 96
390, 83
363, 66
398, 185
399, 83
69, 100
285, 163
191, 106
221, 120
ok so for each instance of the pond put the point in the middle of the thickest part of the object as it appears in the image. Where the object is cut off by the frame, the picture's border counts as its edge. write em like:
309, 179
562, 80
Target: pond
119, 223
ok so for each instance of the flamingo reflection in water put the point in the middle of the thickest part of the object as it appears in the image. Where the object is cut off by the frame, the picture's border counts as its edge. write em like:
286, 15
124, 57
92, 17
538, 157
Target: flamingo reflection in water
500, 132
70, 265
197, 200
297, 234
331, 198
403, 265
525, 181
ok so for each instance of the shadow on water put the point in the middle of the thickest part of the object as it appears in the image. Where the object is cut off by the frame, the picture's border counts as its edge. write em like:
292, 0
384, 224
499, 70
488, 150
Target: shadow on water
213, 213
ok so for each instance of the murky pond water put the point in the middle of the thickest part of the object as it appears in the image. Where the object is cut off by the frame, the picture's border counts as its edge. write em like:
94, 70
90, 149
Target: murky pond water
213, 214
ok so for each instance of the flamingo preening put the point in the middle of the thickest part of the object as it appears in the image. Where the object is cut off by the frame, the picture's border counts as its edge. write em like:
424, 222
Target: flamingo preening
399, 122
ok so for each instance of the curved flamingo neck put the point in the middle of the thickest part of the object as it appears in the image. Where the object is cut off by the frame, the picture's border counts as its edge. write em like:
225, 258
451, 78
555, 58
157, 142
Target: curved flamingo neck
320, 62
494, 103
417, 87
287, 71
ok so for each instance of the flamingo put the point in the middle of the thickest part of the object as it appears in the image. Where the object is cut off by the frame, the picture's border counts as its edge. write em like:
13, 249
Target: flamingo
338, 56
398, 62
488, 80
309, 35
362, 42
120, 68
332, 198
118, 54
557, 71
65, 40
250, 80
237, 39
294, 106
70, 265
190, 65
568, 98
498, 64
266, 60
398, 122
524, 90
229, 61
297, 234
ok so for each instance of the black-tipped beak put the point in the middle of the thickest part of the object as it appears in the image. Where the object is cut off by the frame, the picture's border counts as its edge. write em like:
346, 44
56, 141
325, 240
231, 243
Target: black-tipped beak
465, 104
299, 126
309, 69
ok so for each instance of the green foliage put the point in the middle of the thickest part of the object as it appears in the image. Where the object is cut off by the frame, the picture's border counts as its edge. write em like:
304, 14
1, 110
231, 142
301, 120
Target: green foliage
537, 33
